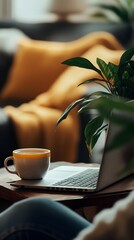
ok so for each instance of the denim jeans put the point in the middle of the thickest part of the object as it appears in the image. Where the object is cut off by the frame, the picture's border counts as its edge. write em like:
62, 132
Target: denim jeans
40, 218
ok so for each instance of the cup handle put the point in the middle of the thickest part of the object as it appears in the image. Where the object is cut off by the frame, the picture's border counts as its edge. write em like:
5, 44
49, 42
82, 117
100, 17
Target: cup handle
6, 166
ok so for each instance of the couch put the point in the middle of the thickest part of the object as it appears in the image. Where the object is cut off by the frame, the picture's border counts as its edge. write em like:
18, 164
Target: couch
56, 31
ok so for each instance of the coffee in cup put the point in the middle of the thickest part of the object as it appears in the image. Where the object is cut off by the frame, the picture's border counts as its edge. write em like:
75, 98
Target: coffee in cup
29, 163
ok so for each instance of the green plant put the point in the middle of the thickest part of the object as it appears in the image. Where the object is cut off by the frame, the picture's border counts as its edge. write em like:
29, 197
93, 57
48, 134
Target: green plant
117, 80
122, 10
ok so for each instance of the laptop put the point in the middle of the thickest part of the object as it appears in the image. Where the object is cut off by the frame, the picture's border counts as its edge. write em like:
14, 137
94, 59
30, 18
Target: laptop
88, 178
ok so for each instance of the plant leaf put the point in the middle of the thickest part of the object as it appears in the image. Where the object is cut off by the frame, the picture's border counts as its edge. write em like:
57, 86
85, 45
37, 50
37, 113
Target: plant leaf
106, 104
86, 102
127, 55
82, 63
119, 11
96, 81
91, 127
91, 81
97, 135
99, 94
68, 109
104, 68
113, 69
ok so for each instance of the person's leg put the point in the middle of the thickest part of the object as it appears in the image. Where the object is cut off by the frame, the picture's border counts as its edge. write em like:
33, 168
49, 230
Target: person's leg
40, 218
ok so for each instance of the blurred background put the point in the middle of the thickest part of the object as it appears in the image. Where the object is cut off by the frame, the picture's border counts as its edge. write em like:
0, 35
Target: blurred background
53, 20
72, 10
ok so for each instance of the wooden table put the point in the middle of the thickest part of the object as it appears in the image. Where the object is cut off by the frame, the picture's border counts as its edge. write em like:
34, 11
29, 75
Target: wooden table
104, 198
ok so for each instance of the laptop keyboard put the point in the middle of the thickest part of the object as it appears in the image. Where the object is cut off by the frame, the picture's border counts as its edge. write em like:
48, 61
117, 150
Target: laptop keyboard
87, 178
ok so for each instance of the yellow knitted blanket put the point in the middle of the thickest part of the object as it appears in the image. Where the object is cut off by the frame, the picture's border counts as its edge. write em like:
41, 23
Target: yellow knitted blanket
35, 121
